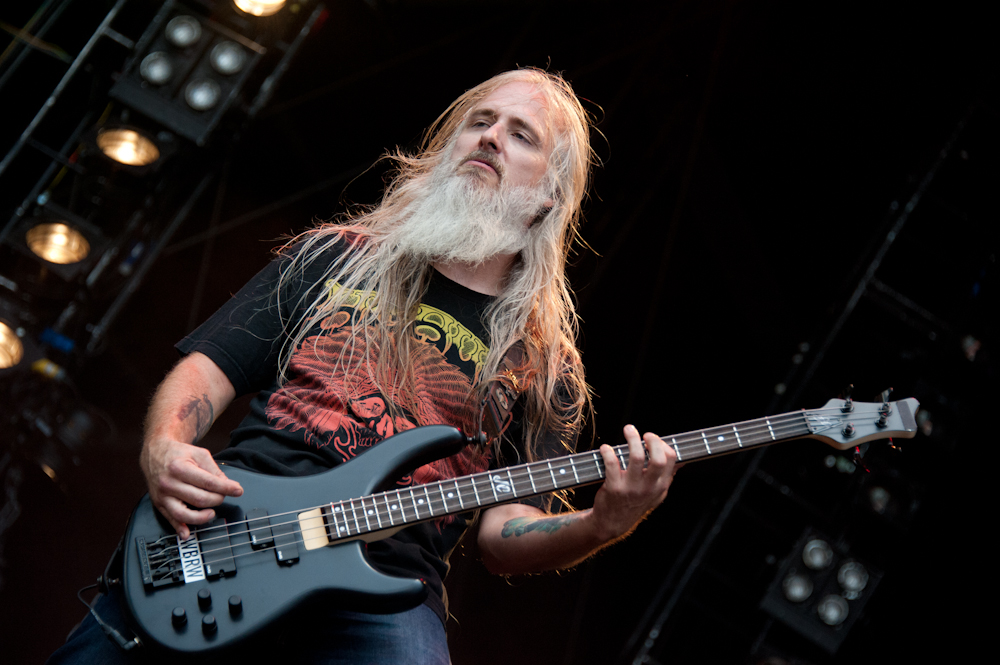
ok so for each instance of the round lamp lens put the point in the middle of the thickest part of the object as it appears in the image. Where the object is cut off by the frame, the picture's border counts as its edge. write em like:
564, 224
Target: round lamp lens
57, 243
156, 68
817, 554
202, 94
228, 58
127, 146
797, 587
853, 578
183, 31
832, 610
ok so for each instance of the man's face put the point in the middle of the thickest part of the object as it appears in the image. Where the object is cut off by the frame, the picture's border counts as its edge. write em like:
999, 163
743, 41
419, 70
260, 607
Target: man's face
506, 138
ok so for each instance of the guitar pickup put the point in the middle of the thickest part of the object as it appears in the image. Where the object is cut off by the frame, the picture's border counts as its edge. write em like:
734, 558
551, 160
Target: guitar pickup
217, 549
266, 534
259, 526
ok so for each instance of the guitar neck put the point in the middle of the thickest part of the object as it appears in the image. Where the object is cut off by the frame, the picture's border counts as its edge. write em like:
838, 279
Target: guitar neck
397, 508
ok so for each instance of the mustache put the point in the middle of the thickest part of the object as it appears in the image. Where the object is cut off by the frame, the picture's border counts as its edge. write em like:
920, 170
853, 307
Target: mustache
486, 158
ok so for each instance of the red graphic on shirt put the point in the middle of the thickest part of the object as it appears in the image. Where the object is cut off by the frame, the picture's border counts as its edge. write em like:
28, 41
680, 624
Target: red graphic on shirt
348, 414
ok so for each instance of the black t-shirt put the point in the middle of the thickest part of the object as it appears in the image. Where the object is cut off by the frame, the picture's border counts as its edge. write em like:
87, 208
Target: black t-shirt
318, 420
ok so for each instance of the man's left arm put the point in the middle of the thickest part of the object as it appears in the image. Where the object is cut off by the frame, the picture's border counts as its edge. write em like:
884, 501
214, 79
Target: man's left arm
517, 538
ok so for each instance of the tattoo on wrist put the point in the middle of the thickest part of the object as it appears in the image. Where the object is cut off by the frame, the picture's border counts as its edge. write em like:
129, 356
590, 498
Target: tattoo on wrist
522, 525
204, 414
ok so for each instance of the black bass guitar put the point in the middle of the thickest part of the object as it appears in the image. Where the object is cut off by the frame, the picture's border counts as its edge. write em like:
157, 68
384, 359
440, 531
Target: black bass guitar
286, 541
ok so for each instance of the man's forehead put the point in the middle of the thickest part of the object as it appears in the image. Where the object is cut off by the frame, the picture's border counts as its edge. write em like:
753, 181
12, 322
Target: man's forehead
522, 100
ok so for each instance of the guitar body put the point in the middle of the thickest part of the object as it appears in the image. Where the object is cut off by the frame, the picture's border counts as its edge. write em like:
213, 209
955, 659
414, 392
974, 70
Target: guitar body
266, 587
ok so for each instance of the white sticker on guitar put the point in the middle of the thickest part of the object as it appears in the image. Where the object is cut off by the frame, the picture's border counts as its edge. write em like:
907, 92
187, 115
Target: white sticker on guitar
191, 562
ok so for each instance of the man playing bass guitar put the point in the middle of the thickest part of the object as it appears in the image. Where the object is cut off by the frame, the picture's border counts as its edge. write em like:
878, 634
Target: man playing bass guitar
404, 315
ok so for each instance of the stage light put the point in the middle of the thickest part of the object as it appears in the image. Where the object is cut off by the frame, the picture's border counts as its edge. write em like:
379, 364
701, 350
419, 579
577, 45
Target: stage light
202, 94
228, 58
797, 587
11, 348
853, 578
156, 68
817, 554
183, 31
127, 146
259, 7
57, 243
832, 610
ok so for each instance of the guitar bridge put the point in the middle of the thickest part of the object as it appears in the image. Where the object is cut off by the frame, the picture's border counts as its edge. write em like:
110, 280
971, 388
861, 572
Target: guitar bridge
158, 562
169, 560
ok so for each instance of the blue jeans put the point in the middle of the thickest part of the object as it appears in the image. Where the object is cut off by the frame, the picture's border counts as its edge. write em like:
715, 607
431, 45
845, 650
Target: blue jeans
334, 637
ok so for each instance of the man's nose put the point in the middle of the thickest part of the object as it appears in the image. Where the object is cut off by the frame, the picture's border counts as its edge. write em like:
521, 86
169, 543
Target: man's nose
489, 140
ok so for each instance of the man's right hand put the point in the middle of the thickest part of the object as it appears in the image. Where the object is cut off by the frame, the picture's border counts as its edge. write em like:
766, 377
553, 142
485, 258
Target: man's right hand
184, 483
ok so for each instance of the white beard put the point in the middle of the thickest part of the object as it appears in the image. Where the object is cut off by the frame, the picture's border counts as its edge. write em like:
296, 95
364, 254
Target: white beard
465, 220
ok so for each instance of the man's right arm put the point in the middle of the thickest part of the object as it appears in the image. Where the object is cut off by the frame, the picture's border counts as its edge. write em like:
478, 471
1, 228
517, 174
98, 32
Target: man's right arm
184, 481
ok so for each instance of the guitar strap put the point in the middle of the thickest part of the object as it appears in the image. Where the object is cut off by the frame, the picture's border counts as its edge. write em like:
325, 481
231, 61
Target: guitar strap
498, 403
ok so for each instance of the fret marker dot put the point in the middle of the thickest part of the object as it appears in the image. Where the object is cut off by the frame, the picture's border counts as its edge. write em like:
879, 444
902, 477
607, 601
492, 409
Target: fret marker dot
420, 501
371, 512
722, 438
337, 509
450, 495
392, 507
340, 529
562, 470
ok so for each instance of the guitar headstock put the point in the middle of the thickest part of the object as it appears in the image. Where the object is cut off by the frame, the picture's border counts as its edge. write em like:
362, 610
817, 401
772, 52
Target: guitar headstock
844, 424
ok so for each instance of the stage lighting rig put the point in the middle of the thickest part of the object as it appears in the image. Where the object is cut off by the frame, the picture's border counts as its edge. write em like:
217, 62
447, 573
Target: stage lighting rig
820, 590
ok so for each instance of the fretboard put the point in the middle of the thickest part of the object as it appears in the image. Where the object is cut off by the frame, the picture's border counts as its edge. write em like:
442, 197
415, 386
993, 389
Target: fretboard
420, 503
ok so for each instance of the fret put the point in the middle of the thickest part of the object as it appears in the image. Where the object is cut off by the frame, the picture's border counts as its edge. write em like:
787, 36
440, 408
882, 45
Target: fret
444, 502
677, 449
366, 513
531, 478
597, 462
475, 491
461, 504
388, 509
413, 500
340, 529
430, 504
707, 447
513, 488
572, 465
737, 433
773, 437
493, 487
555, 479
354, 513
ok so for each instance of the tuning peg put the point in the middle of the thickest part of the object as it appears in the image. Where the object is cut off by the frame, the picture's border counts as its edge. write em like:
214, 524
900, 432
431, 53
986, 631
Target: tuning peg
846, 396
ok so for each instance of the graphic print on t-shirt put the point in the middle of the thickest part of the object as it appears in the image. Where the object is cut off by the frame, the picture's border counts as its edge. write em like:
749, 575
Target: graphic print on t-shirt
346, 414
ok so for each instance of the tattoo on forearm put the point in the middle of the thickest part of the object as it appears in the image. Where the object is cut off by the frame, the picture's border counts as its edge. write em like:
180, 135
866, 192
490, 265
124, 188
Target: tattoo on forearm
203, 413
522, 525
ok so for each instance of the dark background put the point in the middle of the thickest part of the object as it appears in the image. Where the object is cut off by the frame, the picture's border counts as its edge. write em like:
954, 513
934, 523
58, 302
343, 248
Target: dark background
755, 157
